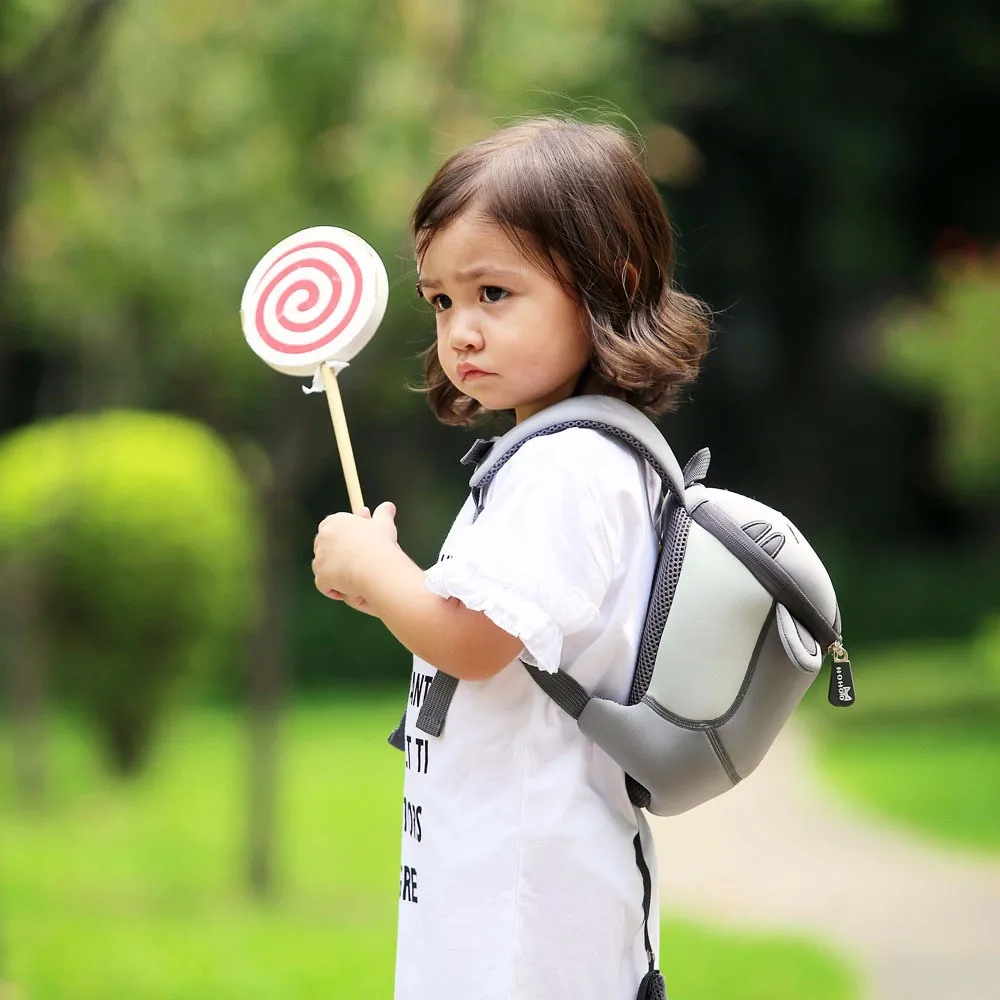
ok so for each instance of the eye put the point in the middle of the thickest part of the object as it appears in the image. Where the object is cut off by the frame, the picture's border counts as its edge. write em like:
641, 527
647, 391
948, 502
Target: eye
440, 302
493, 293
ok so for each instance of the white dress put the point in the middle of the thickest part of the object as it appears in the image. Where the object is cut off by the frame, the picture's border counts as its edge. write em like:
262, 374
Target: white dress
518, 878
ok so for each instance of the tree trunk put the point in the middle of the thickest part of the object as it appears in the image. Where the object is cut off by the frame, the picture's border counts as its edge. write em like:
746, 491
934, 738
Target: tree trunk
266, 688
128, 740
276, 488
10, 149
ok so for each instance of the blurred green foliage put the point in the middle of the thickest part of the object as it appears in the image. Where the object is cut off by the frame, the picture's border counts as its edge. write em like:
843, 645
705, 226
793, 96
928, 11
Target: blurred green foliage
809, 151
986, 647
937, 592
948, 350
141, 536
802, 199
211, 131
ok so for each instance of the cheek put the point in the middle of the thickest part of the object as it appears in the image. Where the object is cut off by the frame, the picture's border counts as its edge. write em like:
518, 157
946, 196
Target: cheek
572, 320
581, 326
440, 343
576, 344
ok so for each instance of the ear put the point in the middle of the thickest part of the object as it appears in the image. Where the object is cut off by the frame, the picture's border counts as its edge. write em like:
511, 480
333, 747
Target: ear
630, 279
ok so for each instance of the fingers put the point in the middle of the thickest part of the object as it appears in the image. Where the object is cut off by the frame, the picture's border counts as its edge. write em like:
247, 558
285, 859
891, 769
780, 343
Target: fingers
360, 604
356, 602
339, 538
365, 512
330, 519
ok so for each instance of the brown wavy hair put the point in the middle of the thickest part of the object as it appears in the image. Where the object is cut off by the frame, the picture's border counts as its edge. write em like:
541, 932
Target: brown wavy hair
574, 197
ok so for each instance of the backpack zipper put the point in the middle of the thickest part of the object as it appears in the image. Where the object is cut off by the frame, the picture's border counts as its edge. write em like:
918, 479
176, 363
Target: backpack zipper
841, 693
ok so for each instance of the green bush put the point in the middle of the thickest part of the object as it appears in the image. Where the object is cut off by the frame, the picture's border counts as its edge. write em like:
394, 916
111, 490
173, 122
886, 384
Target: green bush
140, 535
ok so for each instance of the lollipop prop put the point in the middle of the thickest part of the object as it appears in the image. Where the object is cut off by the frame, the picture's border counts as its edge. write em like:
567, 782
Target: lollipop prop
309, 306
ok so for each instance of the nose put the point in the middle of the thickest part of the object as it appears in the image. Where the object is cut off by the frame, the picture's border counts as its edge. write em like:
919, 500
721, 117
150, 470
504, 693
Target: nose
463, 332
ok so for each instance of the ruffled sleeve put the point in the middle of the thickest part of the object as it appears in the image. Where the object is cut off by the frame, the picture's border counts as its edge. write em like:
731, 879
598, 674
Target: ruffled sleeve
540, 558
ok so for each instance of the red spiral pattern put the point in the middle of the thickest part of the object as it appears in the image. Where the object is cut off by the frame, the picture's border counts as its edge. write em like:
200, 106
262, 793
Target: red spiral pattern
277, 273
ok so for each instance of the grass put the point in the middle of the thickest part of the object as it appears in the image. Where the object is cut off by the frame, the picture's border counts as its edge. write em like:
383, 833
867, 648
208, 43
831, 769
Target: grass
133, 891
922, 745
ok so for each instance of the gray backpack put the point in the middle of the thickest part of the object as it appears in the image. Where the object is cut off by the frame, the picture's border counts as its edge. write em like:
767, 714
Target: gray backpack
740, 618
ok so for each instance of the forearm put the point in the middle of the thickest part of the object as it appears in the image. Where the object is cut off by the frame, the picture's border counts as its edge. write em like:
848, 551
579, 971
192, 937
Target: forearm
442, 631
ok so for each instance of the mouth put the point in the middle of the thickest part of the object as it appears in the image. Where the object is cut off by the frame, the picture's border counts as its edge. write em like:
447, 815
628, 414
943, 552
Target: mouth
469, 373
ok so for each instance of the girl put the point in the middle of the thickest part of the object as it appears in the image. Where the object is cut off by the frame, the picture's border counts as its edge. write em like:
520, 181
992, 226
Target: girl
546, 256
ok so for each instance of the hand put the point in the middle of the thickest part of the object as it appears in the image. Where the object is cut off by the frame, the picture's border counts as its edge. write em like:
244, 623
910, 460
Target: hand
355, 601
347, 548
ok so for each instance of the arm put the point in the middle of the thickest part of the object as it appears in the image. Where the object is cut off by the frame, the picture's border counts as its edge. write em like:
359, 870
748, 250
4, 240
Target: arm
357, 556
442, 631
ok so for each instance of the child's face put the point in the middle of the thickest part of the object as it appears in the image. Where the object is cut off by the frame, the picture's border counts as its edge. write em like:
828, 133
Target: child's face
508, 334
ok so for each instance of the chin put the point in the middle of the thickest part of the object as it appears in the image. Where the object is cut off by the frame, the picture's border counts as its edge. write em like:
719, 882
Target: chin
492, 407
489, 400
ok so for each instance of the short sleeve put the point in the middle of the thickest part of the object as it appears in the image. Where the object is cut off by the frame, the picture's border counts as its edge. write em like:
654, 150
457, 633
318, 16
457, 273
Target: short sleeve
541, 557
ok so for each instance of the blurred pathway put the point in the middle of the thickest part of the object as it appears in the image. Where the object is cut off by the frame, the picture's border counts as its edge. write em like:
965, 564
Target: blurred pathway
776, 852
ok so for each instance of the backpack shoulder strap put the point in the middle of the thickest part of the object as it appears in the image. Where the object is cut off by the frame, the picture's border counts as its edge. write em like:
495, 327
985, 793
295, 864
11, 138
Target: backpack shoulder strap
600, 413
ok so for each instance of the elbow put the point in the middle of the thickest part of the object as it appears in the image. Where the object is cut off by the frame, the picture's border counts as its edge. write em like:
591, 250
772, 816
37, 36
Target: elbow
474, 664
478, 649
467, 645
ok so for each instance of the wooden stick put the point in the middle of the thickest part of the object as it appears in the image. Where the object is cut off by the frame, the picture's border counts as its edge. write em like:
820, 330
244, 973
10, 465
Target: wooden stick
339, 419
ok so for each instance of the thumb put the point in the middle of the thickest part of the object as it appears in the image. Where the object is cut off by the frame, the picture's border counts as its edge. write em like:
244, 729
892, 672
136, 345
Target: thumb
385, 512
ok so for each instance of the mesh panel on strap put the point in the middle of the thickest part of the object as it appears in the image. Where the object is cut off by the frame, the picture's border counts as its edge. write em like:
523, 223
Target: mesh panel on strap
677, 524
668, 573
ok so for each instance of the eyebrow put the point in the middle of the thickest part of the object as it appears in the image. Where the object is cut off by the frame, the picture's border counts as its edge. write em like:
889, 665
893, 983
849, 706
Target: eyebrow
472, 273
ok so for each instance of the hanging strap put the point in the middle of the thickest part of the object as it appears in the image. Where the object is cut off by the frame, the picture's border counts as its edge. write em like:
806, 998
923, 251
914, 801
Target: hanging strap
652, 986
434, 710
397, 738
647, 898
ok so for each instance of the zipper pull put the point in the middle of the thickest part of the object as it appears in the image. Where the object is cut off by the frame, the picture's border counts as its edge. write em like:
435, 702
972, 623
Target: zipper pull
841, 677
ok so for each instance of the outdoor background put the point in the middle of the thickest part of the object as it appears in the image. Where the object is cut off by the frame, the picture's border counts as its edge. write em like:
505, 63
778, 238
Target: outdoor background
196, 799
